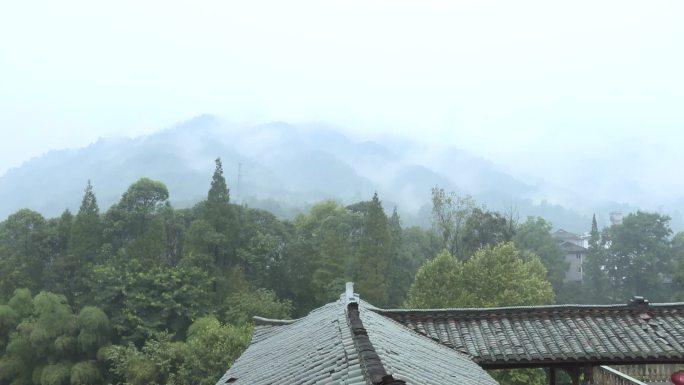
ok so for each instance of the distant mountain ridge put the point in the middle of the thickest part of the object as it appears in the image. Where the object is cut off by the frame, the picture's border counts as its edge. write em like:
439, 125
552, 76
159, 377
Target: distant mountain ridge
277, 162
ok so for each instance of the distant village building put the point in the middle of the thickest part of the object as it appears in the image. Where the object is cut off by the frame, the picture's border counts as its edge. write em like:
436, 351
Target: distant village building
615, 218
575, 247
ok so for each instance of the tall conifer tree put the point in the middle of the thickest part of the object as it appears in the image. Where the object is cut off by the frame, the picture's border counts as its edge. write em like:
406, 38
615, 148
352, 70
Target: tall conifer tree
375, 249
595, 280
86, 232
220, 216
218, 193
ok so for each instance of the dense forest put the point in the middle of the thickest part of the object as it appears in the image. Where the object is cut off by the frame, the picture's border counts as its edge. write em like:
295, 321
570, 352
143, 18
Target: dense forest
147, 294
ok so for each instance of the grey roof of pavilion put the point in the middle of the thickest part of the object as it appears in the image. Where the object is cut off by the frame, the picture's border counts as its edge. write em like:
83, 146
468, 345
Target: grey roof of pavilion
348, 344
570, 247
564, 234
562, 334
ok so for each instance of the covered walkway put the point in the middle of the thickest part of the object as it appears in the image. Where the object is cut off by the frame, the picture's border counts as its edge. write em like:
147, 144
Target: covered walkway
575, 338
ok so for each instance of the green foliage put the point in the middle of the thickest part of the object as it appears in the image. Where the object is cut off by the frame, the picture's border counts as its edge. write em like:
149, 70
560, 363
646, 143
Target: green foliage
8, 321
484, 228
638, 256
22, 302
220, 215
242, 306
85, 373
44, 343
94, 328
213, 348
23, 251
596, 282
494, 276
55, 374
86, 231
322, 254
534, 235
519, 376
412, 247
449, 214
678, 254
436, 284
218, 193
142, 300
374, 256
149, 276
14, 368
200, 360
502, 276
131, 218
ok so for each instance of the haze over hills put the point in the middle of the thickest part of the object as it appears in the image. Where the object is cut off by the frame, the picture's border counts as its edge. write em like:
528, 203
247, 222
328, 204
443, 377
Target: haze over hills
283, 168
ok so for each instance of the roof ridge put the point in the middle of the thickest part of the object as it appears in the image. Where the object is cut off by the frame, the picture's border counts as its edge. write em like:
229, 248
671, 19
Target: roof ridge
262, 321
533, 308
370, 361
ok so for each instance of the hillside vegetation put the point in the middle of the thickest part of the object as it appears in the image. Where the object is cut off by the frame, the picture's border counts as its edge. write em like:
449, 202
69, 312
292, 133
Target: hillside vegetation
145, 293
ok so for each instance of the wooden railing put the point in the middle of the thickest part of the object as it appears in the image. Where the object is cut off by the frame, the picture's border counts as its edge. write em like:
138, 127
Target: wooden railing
650, 373
605, 375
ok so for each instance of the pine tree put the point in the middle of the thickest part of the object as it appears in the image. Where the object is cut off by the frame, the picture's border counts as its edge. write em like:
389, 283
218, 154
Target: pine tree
86, 231
374, 255
595, 280
219, 214
397, 273
594, 236
218, 193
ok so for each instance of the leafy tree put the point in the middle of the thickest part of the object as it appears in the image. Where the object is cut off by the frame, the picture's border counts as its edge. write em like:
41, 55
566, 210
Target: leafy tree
63, 272
23, 251
210, 348
678, 254
244, 305
484, 228
494, 276
143, 300
437, 283
415, 247
638, 258
214, 347
503, 276
8, 321
52, 345
135, 221
321, 254
449, 214
534, 235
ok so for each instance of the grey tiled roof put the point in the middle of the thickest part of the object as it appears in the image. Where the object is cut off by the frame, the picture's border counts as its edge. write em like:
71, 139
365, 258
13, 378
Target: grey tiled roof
419, 360
317, 349
570, 247
341, 344
507, 337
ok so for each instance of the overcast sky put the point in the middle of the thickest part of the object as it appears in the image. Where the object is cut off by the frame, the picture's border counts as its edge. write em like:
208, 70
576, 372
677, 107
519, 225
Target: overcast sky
536, 86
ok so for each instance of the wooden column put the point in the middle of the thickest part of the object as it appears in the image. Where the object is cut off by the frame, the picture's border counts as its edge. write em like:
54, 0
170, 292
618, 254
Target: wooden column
552, 376
588, 375
574, 373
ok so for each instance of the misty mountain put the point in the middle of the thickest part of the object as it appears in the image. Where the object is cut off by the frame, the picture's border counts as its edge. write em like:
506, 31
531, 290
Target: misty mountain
277, 166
